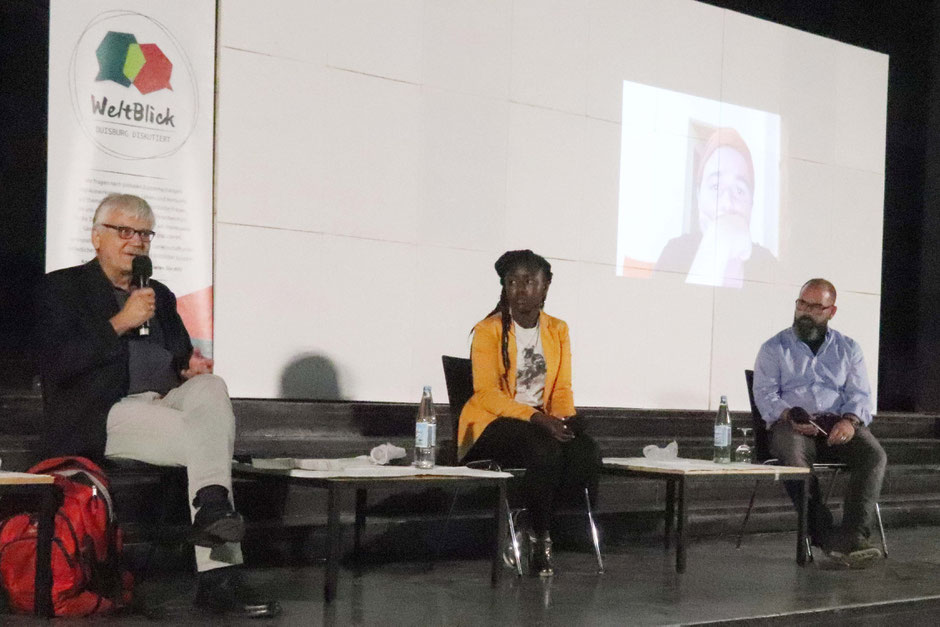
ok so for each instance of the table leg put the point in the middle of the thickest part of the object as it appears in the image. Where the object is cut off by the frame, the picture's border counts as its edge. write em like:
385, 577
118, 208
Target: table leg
670, 511
801, 552
43, 583
361, 497
501, 512
680, 528
333, 543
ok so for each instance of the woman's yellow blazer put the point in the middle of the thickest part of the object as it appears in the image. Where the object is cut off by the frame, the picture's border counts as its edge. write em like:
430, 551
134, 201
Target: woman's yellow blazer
491, 400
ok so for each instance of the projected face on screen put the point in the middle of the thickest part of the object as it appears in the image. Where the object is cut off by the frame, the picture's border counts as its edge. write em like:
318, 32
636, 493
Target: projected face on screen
725, 199
726, 189
699, 189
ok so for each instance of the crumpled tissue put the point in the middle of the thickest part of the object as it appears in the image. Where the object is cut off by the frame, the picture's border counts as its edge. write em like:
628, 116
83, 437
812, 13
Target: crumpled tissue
384, 453
670, 451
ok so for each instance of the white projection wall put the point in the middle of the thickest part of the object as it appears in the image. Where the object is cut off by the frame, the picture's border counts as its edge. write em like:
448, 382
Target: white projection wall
374, 158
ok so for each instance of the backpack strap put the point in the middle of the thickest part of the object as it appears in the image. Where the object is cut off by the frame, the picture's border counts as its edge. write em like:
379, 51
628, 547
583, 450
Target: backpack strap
48, 466
96, 482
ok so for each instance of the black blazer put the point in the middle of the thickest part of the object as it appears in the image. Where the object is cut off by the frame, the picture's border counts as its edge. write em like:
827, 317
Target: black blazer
83, 362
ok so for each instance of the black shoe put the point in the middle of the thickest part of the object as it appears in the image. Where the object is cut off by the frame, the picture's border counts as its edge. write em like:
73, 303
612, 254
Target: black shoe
546, 559
222, 591
212, 528
215, 522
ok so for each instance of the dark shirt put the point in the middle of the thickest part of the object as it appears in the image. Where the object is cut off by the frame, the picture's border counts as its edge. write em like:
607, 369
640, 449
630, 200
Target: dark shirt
149, 364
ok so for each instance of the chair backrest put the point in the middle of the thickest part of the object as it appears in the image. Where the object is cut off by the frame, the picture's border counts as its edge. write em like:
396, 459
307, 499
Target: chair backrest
458, 375
761, 437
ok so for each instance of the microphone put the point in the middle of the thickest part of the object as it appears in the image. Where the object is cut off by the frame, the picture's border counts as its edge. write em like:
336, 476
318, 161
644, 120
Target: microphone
801, 416
141, 269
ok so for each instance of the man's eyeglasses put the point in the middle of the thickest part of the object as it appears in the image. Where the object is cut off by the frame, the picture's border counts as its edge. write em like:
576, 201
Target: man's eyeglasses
126, 232
812, 307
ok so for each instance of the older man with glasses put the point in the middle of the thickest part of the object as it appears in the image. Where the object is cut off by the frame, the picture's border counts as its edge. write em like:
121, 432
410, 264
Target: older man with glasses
111, 391
811, 387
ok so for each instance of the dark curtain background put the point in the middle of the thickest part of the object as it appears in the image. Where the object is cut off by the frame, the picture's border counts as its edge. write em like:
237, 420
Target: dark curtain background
24, 55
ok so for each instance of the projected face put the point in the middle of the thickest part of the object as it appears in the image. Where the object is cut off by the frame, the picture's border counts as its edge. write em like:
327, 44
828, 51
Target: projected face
725, 189
526, 289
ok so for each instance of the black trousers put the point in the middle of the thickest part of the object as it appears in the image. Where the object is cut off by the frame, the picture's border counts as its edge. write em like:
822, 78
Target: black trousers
556, 472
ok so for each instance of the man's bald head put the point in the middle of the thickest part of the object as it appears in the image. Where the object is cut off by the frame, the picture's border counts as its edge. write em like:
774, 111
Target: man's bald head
824, 285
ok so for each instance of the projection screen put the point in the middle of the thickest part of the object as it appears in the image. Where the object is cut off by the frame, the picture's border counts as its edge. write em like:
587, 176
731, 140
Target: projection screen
684, 169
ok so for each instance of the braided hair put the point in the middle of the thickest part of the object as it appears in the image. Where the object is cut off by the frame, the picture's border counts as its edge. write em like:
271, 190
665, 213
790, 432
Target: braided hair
508, 262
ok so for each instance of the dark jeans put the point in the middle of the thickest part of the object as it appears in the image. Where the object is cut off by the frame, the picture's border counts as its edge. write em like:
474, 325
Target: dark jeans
555, 471
866, 462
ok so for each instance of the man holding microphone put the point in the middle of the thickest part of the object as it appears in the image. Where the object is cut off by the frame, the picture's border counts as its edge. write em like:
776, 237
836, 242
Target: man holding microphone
120, 380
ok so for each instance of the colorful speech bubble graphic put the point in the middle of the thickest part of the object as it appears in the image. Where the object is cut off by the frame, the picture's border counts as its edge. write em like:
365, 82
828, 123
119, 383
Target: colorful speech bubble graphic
122, 60
112, 54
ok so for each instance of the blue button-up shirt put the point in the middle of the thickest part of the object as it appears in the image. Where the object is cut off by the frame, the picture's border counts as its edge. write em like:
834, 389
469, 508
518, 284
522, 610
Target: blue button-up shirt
787, 374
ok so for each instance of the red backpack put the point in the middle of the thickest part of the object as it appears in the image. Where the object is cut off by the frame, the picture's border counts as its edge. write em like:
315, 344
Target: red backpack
86, 573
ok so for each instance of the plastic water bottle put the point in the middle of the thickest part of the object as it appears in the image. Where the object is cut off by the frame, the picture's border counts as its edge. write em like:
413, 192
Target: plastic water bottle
723, 433
425, 431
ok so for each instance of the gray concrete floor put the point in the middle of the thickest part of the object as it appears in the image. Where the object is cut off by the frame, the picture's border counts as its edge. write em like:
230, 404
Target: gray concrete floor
640, 587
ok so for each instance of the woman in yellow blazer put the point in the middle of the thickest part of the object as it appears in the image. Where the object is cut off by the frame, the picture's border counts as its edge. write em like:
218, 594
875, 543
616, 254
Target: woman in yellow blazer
522, 410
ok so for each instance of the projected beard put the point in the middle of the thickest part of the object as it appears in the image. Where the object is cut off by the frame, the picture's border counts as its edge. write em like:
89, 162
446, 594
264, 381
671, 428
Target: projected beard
808, 330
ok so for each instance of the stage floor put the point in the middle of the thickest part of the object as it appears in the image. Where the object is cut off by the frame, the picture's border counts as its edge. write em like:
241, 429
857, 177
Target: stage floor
759, 583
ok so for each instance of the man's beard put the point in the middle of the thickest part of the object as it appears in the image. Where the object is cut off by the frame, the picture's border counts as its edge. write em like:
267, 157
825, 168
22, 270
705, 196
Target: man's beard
807, 330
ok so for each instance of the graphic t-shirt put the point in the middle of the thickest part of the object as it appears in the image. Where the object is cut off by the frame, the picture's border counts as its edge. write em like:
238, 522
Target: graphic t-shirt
530, 365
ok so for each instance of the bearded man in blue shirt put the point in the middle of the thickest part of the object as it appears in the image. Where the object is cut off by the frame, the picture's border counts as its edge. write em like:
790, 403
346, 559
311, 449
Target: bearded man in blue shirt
811, 387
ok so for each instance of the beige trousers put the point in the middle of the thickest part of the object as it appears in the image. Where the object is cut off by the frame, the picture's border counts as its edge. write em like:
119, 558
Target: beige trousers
192, 426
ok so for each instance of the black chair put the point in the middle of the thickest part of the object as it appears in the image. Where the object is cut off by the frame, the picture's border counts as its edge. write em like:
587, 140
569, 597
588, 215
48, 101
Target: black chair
458, 375
762, 455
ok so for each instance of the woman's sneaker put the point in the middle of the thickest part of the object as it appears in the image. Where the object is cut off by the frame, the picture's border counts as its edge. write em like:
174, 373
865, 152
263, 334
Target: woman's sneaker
542, 561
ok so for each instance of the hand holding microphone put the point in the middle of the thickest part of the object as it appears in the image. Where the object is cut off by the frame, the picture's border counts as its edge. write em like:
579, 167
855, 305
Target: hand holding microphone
141, 269
802, 422
142, 302
139, 308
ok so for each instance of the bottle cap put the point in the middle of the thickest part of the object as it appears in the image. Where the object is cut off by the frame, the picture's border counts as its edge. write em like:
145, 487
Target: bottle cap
724, 400
427, 389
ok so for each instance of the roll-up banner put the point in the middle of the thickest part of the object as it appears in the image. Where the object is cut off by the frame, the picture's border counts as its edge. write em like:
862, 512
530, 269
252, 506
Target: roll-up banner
131, 99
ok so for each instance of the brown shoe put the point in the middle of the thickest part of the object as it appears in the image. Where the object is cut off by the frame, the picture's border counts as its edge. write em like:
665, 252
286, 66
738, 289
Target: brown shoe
853, 551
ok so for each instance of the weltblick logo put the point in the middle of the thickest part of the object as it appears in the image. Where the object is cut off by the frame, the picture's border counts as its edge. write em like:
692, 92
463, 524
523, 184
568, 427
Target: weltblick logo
133, 100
